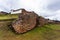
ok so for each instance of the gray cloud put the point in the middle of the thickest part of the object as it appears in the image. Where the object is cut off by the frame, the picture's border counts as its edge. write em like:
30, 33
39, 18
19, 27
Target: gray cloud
54, 6
46, 8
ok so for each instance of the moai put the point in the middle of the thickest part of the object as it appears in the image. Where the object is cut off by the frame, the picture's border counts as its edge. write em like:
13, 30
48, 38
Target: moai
26, 21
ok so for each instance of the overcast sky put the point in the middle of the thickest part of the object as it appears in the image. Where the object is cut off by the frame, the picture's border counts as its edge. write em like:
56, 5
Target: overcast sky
46, 8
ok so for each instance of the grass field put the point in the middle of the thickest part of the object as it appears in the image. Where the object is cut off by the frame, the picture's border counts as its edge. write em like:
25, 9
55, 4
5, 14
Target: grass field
8, 16
47, 32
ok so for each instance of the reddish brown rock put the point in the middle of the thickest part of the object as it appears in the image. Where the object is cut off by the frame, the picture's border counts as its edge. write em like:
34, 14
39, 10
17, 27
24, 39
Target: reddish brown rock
42, 21
25, 22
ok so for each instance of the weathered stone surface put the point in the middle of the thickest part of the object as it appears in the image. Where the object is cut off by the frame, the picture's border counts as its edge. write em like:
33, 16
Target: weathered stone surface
42, 21
25, 22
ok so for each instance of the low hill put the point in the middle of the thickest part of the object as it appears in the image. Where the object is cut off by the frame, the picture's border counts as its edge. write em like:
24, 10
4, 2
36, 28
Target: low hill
2, 12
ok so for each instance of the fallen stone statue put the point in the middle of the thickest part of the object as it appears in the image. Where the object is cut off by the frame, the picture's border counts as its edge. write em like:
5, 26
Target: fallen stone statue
26, 21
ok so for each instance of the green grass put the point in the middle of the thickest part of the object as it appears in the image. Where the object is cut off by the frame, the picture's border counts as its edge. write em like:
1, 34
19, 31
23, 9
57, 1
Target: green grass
47, 32
8, 16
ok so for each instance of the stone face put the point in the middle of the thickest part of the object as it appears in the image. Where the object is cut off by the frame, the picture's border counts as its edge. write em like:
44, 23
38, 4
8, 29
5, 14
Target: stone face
25, 22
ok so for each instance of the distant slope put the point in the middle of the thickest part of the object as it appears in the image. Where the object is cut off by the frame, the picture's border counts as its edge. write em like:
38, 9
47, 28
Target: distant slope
2, 12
